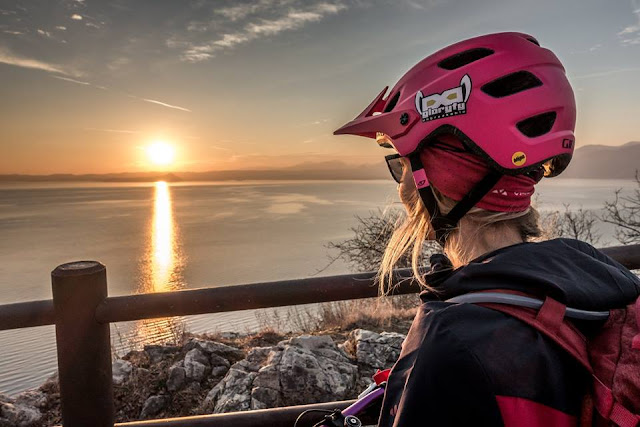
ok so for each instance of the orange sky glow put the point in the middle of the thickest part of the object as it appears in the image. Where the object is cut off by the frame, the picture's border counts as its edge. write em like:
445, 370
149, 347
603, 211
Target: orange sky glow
253, 87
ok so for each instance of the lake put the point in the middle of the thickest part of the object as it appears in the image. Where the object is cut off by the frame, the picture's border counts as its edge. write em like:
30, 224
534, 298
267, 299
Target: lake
157, 237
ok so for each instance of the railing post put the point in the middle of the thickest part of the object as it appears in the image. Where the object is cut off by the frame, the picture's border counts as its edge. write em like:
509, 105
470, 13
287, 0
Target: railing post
84, 345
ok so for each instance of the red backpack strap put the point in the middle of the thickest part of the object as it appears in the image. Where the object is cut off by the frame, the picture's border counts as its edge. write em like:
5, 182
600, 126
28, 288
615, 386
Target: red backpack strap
610, 408
635, 343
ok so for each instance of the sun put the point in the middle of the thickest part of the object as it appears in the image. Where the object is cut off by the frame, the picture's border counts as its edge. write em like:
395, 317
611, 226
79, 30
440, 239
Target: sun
160, 153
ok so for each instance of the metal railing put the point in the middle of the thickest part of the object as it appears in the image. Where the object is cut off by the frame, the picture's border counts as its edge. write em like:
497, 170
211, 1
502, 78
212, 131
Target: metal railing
82, 313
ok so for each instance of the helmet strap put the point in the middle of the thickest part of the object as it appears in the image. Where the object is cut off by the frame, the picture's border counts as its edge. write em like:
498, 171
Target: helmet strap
443, 225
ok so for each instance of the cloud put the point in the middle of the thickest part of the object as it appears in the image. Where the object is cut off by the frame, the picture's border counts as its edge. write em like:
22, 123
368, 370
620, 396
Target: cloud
76, 17
221, 148
607, 73
236, 13
289, 20
112, 130
152, 101
9, 58
78, 82
424, 4
630, 35
164, 104
72, 80
44, 33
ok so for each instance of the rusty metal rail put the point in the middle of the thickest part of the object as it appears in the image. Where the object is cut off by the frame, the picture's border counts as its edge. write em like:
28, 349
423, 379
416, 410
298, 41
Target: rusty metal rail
82, 312
276, 417
240, 297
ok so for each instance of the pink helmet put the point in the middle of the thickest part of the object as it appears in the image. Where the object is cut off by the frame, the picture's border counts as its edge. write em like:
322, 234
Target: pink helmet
502, 95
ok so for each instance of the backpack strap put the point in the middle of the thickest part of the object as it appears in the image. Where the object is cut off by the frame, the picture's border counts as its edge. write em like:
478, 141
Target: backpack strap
549, 320
610, 408
635, 343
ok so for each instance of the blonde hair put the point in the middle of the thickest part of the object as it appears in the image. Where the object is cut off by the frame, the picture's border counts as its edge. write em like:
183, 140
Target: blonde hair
477, 225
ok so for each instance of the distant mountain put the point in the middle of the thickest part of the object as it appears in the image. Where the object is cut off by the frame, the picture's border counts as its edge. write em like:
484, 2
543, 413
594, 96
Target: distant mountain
591, 161
605, 162
307, 170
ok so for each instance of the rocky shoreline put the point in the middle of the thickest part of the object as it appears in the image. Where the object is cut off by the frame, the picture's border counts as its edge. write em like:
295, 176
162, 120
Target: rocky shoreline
226, 373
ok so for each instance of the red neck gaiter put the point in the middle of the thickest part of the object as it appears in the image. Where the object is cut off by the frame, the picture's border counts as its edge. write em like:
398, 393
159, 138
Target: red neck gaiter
455, 173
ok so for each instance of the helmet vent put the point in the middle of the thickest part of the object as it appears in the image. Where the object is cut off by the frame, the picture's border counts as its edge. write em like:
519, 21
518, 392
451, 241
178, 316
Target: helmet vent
537, 125
534, 41
392, 102
511, 84
463, 58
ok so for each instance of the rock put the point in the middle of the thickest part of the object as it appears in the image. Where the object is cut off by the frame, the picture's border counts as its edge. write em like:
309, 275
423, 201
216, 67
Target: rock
229, 335
17, 414
153, 405
257, 357
297, 371
232, 393
218, 361
209, 347
314, 370
121, 370
218, 371
35, 398
196, 364
158, 353
378, 351
260, 396
177, 378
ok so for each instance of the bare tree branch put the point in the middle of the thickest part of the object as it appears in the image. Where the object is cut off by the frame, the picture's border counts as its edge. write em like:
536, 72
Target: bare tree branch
624, 213
577, 224
364, 251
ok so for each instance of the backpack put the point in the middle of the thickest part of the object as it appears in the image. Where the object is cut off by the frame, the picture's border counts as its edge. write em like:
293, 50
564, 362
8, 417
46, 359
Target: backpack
612, 356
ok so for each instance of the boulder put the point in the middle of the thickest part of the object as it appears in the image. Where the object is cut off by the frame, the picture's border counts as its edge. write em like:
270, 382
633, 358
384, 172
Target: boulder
153, 405
196, 364
218, 361
35, 398
377, 351
212, 347
232, 393
18, 414
312, 369
158, 353
300, 370
177, 378
121, 370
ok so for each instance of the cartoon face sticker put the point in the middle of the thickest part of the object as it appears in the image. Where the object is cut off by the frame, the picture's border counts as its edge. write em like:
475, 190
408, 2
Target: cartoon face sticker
451, 102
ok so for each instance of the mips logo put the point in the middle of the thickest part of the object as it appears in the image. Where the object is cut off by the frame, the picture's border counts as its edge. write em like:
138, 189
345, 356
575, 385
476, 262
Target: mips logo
451, 102
519, 158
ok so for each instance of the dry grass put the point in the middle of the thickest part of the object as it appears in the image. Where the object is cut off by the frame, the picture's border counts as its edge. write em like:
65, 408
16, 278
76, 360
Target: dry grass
391, 314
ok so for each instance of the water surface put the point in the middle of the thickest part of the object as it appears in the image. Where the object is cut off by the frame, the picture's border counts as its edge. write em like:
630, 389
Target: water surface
157, 237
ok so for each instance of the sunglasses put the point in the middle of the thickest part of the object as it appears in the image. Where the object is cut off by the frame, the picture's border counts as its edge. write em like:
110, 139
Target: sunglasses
396, 166
395, 163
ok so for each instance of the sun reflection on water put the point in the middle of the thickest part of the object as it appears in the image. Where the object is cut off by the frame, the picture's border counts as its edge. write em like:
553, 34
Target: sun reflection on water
163, 244
160, 271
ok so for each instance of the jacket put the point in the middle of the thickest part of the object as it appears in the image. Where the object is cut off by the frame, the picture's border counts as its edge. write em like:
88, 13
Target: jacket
464, 364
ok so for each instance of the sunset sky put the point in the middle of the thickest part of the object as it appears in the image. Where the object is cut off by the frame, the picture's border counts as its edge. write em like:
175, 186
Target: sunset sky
88, 86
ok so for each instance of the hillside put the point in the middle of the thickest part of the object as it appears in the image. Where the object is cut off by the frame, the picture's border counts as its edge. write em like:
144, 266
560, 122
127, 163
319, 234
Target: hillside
591, 161
605, 162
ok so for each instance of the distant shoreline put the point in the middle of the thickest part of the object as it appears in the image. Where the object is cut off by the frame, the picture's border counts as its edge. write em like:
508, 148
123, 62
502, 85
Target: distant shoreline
589, 162
232, 180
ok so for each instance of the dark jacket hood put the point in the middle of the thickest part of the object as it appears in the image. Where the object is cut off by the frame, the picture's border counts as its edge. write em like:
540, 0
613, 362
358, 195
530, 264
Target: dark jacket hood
568, 270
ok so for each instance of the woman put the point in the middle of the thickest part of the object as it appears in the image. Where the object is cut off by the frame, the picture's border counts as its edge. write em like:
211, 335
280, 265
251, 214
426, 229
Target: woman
475, 126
